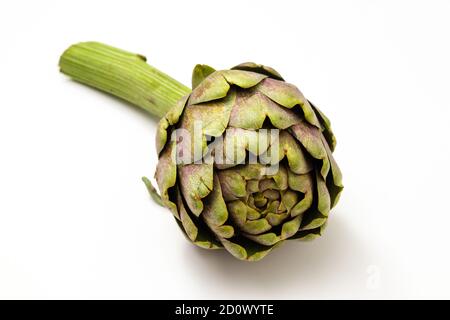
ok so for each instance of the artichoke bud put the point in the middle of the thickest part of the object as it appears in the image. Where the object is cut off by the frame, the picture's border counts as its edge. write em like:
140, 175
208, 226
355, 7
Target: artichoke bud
245, 162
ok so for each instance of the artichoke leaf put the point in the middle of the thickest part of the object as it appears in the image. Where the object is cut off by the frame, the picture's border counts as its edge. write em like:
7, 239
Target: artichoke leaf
170, 119
245, 249
213, 87
152, 191
334, 182
259, 68
196, 182
243, 79
304, 184
326, 127
317, 215
289, 148
201, 121
233, 185
197, 235
166, 177
323, 201
200, 72
309, 235
252, 108
288, 96
311, 139
215, 212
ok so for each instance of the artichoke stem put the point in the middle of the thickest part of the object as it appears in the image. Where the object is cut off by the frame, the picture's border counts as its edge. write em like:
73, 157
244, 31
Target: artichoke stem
122, 74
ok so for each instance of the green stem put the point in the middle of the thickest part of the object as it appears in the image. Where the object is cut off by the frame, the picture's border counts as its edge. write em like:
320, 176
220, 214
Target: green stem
122, 74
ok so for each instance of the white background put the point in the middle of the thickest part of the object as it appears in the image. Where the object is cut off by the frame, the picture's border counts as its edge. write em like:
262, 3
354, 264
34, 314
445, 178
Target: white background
77, 222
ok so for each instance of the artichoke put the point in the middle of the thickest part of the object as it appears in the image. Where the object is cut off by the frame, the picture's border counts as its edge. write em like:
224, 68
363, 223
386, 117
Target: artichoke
245, 160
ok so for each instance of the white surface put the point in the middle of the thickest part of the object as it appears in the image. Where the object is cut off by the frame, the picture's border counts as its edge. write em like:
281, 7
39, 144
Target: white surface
77, 222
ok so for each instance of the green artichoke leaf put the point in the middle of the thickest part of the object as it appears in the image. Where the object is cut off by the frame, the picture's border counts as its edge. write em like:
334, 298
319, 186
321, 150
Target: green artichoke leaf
243, 79
238, 211
209, 119
196, 182
334, 182
213, 87
281, 178
289, 198
200, 72
166, 177
255, 226
152, 191
312, 219
233, 185
269, 188
298, 161
244, 249
251, 171
265, 239
252, 108
170, 119
215, 212
309, 235
252, 213
213, 116
217, 84
304, 184
311, 138
276, 219
288, 96
318, 213
259, 68
288, 230
326, 127
323, 196
200, 236
232, 149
